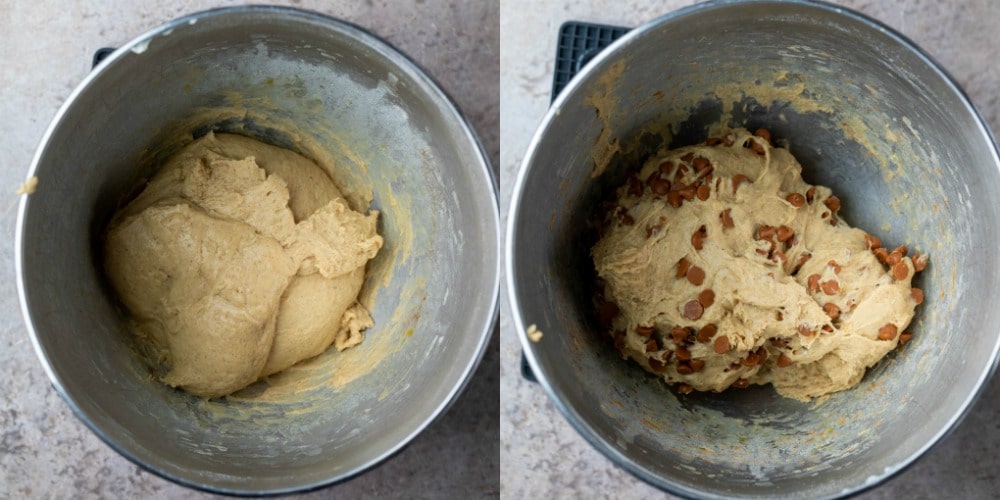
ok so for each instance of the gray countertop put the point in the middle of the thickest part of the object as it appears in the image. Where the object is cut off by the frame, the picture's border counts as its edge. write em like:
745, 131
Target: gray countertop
45, 452
541, 455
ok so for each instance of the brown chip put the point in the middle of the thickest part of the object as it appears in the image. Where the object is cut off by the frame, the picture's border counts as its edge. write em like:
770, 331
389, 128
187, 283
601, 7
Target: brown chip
894, 257
700, 163
918, 295
660, 186
779, 256
810, 194
684, 389
706, 298
763, 133
645, 331
697, 365
693, 310
727, 218
682, 353
905, 337
741, 383
674, 199
900, 271
682, 267
739, 179
803, 258
688, 192
796, 199
706, 333
919, 262
833, 203
830, 287
813, 282
652, 345
887, 332
751, 359
657, 365
652, 177
762, 354
703, 192
784, 361
696, 275
805, 330
679, 334
698, 238
721, 345
881, 254
832, 310
765, 232
872, 242
785, 233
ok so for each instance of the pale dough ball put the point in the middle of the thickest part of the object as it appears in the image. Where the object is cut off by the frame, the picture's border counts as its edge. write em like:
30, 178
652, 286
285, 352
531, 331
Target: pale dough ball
238, 260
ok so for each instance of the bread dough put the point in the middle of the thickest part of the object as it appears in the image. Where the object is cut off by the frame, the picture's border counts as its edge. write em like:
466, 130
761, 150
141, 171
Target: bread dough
748, 306
238, 260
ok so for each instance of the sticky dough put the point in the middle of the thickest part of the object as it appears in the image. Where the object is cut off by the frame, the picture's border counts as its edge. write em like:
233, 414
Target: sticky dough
774, 325
238, 260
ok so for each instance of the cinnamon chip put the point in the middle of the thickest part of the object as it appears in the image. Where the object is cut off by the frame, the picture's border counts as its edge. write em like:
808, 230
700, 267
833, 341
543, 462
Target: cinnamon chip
696, 275
706, 333
682, 267
887, 332
693, 310
721, 345
727, 219
706, 298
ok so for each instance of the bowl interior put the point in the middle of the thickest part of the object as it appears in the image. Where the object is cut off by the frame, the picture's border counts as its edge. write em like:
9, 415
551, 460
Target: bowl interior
866, 115
332, 92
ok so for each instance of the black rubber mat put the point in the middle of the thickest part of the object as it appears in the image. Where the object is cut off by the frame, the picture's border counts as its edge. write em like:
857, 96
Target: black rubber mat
578, 44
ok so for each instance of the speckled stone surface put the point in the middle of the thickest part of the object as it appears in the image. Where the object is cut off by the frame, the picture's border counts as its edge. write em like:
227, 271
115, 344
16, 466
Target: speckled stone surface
46, 49
541, 455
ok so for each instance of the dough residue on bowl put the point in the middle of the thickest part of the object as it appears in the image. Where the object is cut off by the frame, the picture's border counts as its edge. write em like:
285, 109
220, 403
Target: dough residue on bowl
722, 268
238, 260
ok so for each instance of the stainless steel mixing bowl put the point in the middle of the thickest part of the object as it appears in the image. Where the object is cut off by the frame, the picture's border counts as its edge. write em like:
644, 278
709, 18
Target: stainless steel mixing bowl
327, 89
868, 114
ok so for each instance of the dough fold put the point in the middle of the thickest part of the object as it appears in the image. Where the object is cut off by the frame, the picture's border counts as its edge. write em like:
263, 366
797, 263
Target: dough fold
720, 267
238, 260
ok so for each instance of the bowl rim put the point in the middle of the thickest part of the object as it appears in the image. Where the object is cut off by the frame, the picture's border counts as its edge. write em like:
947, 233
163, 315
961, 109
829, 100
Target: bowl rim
480, 166
608, 56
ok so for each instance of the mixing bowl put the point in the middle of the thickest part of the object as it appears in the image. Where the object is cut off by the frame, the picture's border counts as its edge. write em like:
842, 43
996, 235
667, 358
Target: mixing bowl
332, 92
869, 115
